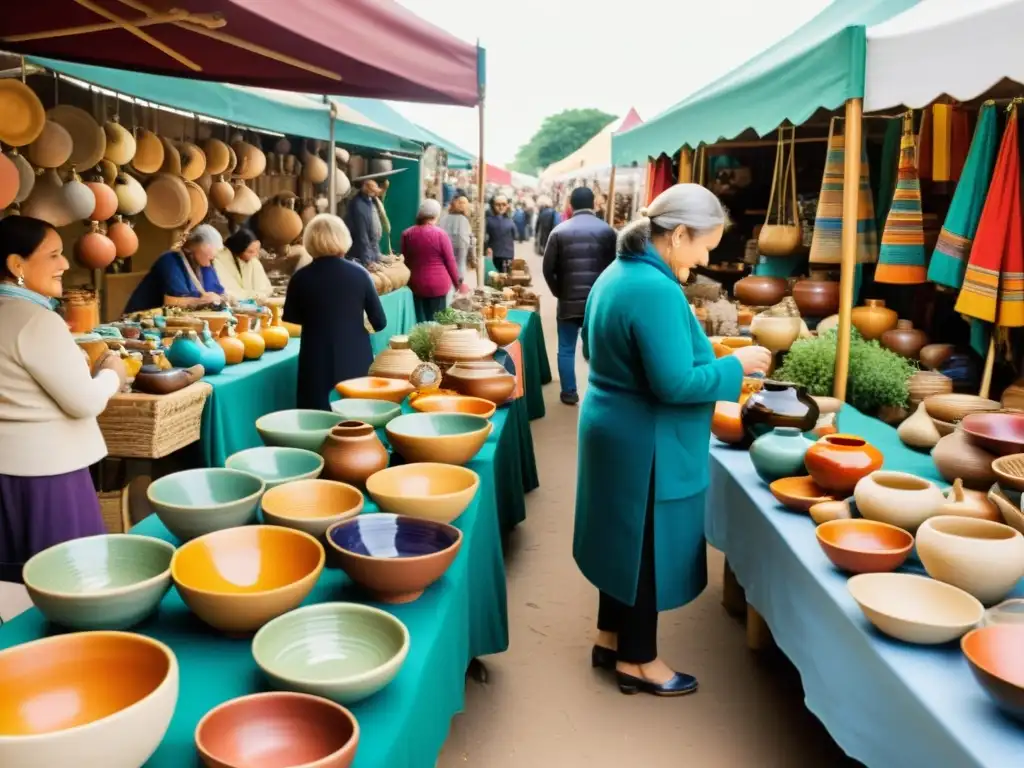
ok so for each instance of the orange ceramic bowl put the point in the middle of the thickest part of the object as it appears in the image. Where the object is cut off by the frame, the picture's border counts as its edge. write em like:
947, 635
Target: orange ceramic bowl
799, 493
837, 462
375, 388
238, 579
864, 546
503, 332
726, 424
994, 654
85, 699
311, 505
476, 406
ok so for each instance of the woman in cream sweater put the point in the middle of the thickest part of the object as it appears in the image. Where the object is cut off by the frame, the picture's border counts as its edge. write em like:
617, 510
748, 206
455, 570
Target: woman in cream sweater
239, 268
49, 401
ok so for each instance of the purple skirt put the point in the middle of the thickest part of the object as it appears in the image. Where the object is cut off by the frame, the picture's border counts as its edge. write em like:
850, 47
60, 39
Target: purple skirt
38, 512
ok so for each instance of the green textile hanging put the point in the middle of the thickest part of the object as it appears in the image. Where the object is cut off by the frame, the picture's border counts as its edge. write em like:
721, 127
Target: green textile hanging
888, 170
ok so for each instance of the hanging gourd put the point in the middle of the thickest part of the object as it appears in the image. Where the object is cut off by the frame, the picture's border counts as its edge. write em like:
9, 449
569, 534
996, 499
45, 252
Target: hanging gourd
783, 237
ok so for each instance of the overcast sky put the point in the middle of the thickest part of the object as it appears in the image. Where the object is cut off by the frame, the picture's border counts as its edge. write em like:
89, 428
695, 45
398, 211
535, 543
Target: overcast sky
544, 56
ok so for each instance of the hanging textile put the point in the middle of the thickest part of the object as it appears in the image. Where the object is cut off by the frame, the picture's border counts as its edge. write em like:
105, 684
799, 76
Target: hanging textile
993, 288
902, 259
942, 134
685, 166
888, 170
959, 142
925, 146
953, 250
663, 178
826, 244
649, 183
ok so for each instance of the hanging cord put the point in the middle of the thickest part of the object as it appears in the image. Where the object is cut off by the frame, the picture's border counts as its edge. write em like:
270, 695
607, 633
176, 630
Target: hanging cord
784, 178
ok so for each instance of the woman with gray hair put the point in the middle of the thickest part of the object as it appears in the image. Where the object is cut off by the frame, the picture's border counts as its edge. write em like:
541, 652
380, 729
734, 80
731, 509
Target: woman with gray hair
183, 278
431, 261
644, 432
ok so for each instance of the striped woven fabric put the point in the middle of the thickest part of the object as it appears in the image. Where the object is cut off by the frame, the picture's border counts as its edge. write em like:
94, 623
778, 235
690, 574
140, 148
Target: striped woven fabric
953, 250
993, 287
826, 244
902, 259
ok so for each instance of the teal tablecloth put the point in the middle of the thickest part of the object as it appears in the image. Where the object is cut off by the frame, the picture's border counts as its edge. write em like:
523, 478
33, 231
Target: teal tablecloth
535, 358
886, 703
462, 616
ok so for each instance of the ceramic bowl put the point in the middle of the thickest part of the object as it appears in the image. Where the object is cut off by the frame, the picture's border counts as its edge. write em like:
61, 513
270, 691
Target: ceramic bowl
503, 332
475, 406
312, 506
438, 492
898, 498
394, 557
200, 501
864, 546
297, 428
994, 655
239, 579
276, 730
446, 438
944, 427
1007, 612
70, 700
344, 652
915, 609
998, 433
277, 465
1007, 501
983, 558
954, 407
799, 493
375, 388
1010, 471
376, 413
100, 582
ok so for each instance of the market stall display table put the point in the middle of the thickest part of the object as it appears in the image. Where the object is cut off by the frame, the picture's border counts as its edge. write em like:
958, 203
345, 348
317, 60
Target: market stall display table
535, 358
886, 703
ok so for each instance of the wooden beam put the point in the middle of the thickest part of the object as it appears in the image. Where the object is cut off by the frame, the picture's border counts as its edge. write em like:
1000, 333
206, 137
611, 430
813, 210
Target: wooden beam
848, 259
144, 36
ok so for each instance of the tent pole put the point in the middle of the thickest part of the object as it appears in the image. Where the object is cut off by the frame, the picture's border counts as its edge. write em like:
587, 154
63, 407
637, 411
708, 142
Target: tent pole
481, 182
848, 260
332, 163
610, 200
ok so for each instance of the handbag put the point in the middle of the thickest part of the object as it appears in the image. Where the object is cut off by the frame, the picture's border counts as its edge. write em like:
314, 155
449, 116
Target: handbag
782, 239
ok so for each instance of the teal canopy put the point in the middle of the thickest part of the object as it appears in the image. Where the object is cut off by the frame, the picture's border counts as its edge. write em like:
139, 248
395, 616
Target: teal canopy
819, 66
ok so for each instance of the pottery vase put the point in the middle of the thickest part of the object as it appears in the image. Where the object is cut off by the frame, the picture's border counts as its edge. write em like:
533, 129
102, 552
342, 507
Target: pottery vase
255, 345
905, 339
759, 290
956, 457
873, 319
398, 361
965, 502
919, 430
778, 404
186, 350
352, 452
234, 348
816, 297
775, 333
897, 498
274, 335
488, 380
838, 462
934, 355
214, 358
983, 558
927, 383
779, 453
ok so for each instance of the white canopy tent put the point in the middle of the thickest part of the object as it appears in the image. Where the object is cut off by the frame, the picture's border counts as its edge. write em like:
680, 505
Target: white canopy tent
596, 152
959, 48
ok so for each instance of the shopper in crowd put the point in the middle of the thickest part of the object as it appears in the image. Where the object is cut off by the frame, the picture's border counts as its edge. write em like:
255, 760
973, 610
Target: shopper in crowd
547, 220
183, 278
459, 228
519, 219
578, 250
644, 432
500, 233
239, 268
431, 261
530, 204
329, 299
363, 220
49, 401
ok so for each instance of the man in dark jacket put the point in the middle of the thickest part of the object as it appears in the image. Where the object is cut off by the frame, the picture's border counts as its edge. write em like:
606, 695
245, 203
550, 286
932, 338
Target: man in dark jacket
364, 223
577, 251
547, 219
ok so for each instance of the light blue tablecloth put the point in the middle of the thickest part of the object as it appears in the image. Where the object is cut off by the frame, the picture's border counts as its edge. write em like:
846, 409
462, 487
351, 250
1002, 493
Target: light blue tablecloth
886, 703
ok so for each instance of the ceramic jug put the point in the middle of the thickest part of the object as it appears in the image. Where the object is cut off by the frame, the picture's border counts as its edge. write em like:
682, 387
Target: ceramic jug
778, 404
186, 350
213, 358
837, 462
234, 348
254, 343
816, 296
905, 339
873, 319
780, 453
352, 452
274, 335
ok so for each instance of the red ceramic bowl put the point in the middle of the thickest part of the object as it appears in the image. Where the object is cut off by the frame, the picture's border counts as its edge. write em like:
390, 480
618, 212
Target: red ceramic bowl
995, 655
1000, 433
864, 546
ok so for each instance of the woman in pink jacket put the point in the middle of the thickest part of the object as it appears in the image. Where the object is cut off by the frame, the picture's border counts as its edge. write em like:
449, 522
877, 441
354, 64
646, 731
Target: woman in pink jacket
429, 256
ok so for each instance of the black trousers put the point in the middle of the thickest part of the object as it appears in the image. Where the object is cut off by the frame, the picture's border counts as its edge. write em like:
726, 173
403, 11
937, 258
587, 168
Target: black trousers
637, 624
426, 308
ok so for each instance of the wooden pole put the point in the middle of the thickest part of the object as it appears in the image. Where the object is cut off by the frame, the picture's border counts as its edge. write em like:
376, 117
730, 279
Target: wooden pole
481, 183
990, 362
848, 263
610, 200
332, 162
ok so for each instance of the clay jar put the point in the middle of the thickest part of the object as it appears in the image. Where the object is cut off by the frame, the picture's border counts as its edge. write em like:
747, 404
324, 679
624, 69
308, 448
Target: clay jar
778, 404
897, 498
255, 345
838, 462
956, 457
873, 319
816, 296
926, 383
934, 355
352, 452
759, 290
234, 348
905, 339
779, 453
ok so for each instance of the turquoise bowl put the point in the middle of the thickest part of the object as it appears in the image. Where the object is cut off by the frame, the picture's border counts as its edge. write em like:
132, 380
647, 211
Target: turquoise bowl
110, 581
376, 413
297, 428
344, 652
448, 438
200, 501
277, 465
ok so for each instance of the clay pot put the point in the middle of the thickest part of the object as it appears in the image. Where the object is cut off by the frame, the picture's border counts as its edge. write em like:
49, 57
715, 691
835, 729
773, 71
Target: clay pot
927, 383
221, 194
47, 201
398, 361
53, 147
168, 203
156, 381
919, 430
126, 242
352, 452
234, 348
873, 319
275, 336
964, 502
279, 223
897, 498
489, 381
816, 297
87, 136
314, 169
838, 462
149, 152
120, 146
934, 355
131, 197
26, 176
779, 453
905, 339
778, 404
982, 558
776, 333
106, 201
10, 181
956, 457
760, 291
94, 250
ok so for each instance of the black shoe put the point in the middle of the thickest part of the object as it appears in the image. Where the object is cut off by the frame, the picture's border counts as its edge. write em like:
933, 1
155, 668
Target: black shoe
603, 658
680, 685
570, 398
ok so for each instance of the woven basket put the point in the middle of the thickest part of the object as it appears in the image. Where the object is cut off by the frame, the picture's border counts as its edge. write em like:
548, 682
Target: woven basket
114, 508
138, 426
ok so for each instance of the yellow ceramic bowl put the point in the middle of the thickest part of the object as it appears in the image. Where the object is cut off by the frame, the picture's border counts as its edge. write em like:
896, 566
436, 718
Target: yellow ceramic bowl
439, 492
236, 580
503, 332
375, 388
475, 406
312, 506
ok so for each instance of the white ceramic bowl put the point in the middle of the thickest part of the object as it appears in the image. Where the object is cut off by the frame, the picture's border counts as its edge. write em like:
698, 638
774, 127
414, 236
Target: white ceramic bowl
897, 498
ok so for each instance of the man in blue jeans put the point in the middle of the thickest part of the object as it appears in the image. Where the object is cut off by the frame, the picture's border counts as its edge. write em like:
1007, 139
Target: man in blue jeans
577, 251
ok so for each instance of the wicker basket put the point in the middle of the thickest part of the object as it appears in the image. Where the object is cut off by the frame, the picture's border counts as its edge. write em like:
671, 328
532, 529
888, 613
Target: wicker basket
138, 426
114, 508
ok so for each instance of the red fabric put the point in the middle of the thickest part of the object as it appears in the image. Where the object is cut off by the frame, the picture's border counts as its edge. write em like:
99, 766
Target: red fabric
379, 49
631, 120
663, 178
429, 257
497, 175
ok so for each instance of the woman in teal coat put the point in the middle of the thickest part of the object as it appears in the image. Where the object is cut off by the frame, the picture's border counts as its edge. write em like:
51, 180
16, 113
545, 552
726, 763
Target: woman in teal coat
644, 432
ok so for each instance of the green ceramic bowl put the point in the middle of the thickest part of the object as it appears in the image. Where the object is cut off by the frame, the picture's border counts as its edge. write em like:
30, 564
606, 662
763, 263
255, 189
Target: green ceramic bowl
376, 413
200, 501
340, 651
100, 582
448, 438
276, 465
297, 428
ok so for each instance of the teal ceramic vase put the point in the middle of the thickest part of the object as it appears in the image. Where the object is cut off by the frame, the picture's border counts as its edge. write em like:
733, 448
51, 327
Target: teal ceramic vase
212, 359
186, 351
780, 453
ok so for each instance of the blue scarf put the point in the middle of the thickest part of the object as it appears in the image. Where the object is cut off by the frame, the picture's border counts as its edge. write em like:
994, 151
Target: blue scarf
12, 291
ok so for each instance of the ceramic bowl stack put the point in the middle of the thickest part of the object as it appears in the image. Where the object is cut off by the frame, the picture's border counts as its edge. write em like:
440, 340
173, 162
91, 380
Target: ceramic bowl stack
199, 501
462, 345
297, 428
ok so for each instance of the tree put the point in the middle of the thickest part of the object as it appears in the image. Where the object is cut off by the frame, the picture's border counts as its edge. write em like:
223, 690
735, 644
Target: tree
559, 135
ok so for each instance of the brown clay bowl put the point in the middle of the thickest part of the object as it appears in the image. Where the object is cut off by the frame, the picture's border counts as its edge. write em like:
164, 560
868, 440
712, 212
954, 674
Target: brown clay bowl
375, 388
476, 406
999, 433
726, 424
943, 427
1010, 471
311, 505
799, 493
864, 546
994, 654
503, 332
278, 730
954, 407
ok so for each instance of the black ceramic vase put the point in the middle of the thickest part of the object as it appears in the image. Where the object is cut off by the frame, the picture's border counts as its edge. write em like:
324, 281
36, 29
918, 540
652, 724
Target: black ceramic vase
778, 404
